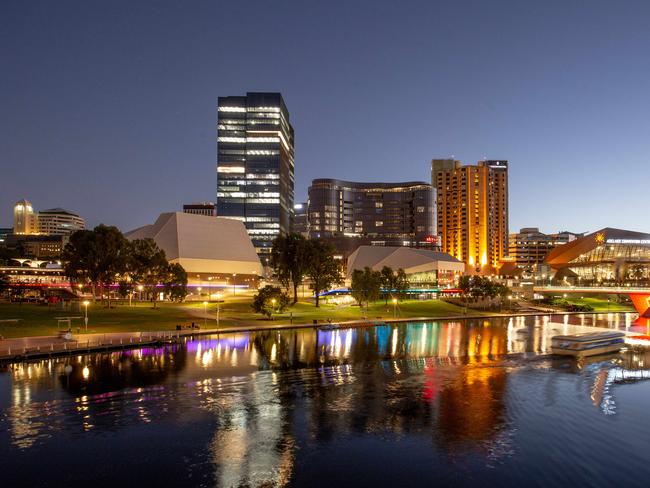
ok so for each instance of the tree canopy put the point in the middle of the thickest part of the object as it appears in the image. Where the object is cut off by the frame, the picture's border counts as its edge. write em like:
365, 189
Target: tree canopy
270, 300
290, 260
324, 269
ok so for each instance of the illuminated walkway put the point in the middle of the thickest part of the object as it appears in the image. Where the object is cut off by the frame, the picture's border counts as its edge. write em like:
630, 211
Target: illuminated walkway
640, 296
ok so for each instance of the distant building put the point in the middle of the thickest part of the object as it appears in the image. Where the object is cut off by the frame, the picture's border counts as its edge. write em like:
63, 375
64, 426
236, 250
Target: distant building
4, 232
606, 257
301, 222
25, 219
423, 268
204, 208
380, 214
37, 246
59, 222
255, 165
528, 247
472, 204
213, 250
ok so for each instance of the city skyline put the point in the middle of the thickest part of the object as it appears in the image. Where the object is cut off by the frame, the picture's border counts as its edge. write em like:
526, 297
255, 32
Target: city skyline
120, 101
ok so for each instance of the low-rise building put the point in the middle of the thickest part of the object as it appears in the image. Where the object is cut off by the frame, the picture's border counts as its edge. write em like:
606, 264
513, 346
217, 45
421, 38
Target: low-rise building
606, 257
214, 251
529, 246
423, 268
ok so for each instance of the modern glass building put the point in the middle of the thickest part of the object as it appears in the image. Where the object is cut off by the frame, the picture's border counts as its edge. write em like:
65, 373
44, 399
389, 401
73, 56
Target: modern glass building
387, 214
606, 257
255, 165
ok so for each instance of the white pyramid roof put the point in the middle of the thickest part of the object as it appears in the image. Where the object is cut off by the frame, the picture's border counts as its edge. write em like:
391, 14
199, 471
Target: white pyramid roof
203, 244
409, 259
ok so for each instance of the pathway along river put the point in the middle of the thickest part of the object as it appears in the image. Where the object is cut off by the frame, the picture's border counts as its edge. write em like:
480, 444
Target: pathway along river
414, 404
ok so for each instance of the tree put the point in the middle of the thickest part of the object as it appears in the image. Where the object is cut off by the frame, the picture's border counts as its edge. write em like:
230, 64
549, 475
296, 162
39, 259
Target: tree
148, 265
78, 258
112, 252
393, 281
124, 287
481, 287
366, 285
270, 300
401, 282
96, 256
324, 269
290, 260
176, 282
387, 281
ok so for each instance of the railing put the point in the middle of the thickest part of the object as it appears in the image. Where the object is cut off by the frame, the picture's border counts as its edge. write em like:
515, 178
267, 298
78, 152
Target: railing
9, 352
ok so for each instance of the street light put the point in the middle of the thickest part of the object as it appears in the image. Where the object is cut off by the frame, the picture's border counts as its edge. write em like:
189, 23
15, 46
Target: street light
218, 303
234, 275
140, 288
273, 300
205, 314
199, 290
86, 303
394, 307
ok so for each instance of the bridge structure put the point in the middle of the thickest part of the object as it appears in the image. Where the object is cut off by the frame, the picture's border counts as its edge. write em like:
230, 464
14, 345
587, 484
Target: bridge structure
640, 296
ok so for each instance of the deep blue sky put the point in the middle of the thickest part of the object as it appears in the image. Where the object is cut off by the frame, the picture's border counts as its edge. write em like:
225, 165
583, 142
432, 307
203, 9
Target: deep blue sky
108, 108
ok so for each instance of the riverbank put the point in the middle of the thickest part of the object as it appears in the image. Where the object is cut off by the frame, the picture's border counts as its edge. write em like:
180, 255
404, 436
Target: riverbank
31, 320
27, 348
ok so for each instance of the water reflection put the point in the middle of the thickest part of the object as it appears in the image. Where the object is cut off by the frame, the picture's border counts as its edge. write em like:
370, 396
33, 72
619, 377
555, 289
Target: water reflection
265, 403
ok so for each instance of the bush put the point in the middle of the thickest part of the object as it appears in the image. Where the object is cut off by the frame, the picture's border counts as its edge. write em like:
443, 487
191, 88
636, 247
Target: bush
263, 302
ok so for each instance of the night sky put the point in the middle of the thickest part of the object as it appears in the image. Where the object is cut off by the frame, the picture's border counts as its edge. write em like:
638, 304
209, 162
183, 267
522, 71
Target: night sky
109, 108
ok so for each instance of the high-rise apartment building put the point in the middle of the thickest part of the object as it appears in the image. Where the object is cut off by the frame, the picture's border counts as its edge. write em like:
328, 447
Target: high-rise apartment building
25, 219
59, 222
388, 214
472, 203
202, 208
255, 165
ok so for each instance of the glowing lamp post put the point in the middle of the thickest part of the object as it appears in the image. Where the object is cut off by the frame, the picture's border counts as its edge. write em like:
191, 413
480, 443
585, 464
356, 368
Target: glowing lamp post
205, 314
234, 275
140, 288
394, 307
86, 303
273, 300
218, 299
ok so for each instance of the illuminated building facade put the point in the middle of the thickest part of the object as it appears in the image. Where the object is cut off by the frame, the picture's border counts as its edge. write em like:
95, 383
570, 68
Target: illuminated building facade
203, 208
528, 247
59, 222
386, 214
606, 257
255, 165
301, 222
25, 219
423, 268
472, 211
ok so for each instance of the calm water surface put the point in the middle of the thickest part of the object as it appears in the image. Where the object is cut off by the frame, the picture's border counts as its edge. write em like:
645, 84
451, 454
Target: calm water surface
447, 403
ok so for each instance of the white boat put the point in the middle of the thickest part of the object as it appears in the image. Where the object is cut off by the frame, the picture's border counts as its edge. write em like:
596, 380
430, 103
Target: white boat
587, 343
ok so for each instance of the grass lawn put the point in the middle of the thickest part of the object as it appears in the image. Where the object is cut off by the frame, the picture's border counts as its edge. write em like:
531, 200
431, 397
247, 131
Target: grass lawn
34, 320
601, 304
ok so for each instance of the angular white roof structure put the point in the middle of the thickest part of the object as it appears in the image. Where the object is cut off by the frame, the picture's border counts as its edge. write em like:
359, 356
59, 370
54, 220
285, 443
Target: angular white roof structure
203, 244
409, 259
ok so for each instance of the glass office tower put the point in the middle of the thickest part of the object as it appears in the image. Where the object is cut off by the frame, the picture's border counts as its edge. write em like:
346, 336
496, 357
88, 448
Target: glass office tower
255, 165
